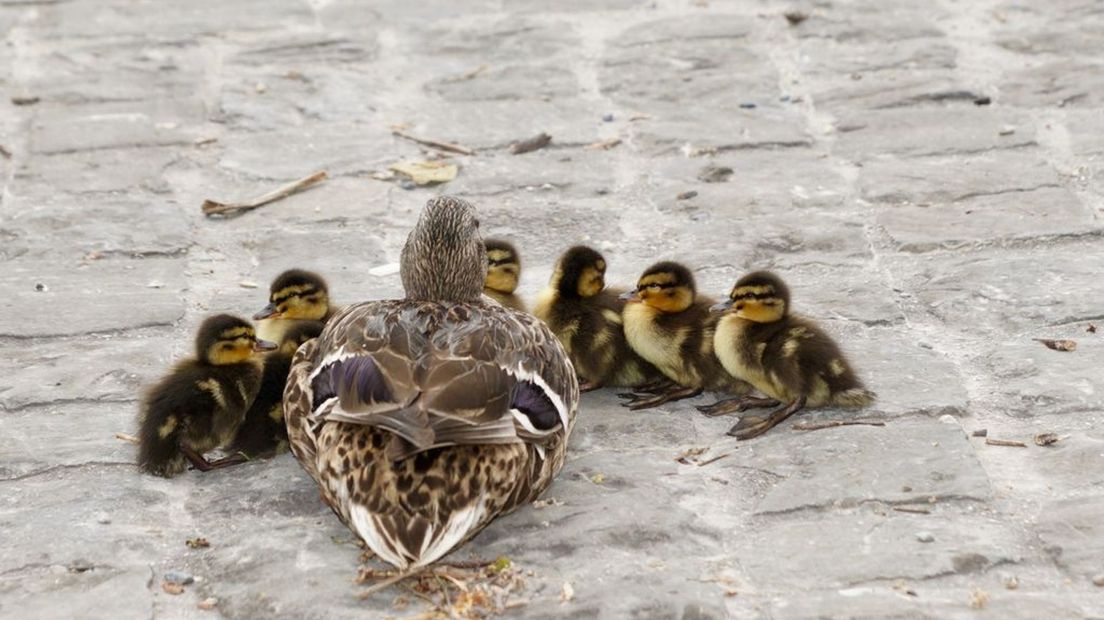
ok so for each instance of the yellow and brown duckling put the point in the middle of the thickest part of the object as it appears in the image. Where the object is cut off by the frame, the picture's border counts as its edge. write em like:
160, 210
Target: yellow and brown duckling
503, 273
668, 325
425, 418
586, 316
263, 433
784, 356
201, 403
295, 295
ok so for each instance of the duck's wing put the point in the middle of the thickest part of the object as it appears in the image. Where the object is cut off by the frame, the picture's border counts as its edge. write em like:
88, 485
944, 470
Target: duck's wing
442, 374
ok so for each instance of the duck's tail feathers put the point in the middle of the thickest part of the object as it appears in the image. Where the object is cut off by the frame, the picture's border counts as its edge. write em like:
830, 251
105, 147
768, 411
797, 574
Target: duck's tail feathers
854, 397
158, 443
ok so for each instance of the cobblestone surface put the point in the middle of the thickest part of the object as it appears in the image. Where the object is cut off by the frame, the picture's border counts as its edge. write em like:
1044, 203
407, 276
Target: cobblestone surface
934, 233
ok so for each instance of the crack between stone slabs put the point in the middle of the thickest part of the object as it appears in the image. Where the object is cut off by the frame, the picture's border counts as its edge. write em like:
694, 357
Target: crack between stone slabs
945, 573
952, 151
119, 331
828, 507
54, 468
66, 401
1016, 190
1076, 319
953, 95
1006, 243
114, 147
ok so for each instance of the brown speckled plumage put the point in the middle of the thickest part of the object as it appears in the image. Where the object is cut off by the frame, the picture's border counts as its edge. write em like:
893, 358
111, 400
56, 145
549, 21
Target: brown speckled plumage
465, 425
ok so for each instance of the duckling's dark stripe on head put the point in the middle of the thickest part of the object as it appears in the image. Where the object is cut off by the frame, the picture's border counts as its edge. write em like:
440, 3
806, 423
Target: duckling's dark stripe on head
742, 296
532, 401
505, 261
297, 278
355, 379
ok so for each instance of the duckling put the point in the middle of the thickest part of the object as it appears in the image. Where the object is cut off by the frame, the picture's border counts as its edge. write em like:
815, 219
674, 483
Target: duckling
423, 419
586, 317
503, 273
786, 357
201, 403
668, 325
295, 295
263, 432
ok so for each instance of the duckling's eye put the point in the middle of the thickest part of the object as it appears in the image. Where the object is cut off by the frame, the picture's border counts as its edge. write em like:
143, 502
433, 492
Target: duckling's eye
476, 223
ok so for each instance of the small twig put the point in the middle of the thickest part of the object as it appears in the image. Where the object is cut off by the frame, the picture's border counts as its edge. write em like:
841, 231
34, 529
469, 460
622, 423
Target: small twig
1008, 443
467, 564
816, 426
469, 75
210, 207
714, 459
535, 143
912, 509
126, 438
379, 586
444, 146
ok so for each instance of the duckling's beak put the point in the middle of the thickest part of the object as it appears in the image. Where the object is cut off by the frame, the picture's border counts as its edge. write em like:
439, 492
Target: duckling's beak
629, 296
266, 312
721, 307
264, 345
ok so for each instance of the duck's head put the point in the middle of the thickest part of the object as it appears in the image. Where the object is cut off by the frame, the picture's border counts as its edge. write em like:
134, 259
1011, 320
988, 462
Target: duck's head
226, 339
503, 266
581, 272
761, 297
297, 334
666, 286
296, 294
444, 258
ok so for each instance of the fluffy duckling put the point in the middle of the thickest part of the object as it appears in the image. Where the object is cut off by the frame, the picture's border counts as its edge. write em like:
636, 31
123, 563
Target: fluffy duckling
786, 357
202, 402
295, 295
263, 432
586, 317
670, 327
503, 273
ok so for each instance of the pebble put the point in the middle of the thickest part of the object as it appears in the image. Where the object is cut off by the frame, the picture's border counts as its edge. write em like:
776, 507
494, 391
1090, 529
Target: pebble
948, 419
179, 577
607, 117
103, 518
79, 566
208, 603
981, 432
407, 184
1011, 582
747, 105
1098, 580
41, 288
925, 537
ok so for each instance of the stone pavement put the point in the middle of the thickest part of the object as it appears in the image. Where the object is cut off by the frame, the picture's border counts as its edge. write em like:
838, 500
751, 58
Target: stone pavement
935, 234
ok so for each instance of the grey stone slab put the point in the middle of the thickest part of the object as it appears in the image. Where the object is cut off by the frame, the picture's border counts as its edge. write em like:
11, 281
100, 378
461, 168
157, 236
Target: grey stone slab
1068, 29
773, 127
57, 129
1007, 293
109, 369
338, 148
861, 27
54, 592
205, 17
985, 219
1072, 466
931, 131
554, 172
498, 42
1071, 531
31, 430
120, 170
858, 547
896, 180
510, 83
1064, 83
1026, 374
825, 57
498, 124
110, 230
107, 296
845, 467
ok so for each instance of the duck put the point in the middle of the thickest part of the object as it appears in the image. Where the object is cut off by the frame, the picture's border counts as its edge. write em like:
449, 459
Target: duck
785, 356
671, 327
199, 405
294, 295
263, 432
423, 419
586, 317
503, 273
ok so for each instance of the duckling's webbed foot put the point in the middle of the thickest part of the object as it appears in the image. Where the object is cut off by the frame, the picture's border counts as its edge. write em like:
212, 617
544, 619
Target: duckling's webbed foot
755, 424
234, 459
647, 402
655, 387
734, 405
195, 458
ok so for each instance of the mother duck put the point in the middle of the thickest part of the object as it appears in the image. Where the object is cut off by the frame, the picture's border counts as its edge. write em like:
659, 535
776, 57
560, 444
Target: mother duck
423, 419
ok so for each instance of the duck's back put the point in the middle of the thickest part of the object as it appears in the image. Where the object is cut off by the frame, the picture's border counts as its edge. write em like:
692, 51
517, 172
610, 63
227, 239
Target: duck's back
422, 421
